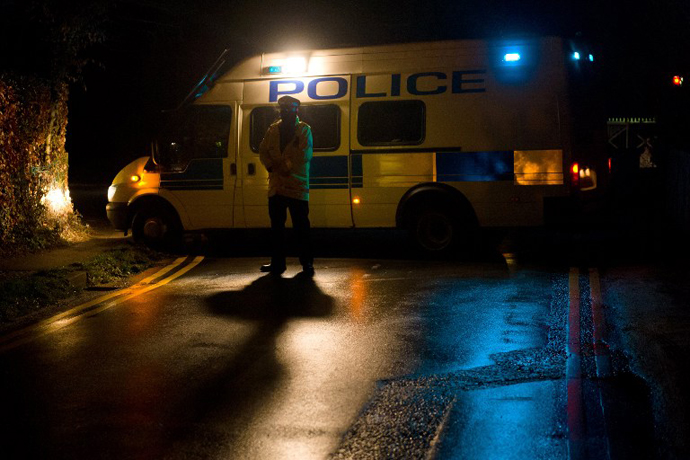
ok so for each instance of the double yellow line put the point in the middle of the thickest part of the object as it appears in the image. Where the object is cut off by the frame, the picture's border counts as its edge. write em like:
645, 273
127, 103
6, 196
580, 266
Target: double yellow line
95, 306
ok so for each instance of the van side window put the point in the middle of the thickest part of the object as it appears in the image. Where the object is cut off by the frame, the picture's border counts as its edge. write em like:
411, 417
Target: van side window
197, 132
391, 123
259, 121
324, 120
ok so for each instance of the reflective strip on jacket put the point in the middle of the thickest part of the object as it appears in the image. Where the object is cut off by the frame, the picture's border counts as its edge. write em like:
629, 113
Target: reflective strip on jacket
288, 170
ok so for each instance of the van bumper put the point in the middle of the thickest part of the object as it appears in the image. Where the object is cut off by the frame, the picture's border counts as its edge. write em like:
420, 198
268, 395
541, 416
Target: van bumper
117, 215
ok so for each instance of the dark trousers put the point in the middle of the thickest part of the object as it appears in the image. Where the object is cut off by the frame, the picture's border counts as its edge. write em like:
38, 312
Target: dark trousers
299, 212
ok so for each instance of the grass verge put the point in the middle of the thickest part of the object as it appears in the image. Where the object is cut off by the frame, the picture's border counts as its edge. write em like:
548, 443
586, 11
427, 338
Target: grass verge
21, 295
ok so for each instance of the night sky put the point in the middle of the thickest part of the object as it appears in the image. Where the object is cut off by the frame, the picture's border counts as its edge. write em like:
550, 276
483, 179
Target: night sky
156, 50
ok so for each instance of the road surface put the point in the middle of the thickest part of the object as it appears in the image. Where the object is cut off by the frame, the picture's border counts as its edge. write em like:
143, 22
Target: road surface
372, 358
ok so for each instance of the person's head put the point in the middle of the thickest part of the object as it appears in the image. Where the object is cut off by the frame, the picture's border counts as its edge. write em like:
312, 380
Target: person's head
289, 107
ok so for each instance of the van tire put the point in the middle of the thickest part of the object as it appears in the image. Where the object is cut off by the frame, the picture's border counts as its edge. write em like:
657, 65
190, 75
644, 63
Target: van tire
156, 228
438, 231
434, 231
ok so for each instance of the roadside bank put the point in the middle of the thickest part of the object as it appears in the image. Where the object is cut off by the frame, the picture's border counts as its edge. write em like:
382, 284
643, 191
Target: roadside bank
30, 283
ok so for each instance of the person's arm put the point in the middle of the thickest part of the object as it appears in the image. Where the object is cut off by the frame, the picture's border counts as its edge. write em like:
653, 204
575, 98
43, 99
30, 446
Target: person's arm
306, 144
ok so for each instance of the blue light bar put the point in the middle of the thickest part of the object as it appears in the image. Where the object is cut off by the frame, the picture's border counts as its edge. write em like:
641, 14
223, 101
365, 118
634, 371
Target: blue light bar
576, 56
591, 58
275, 69
511, 57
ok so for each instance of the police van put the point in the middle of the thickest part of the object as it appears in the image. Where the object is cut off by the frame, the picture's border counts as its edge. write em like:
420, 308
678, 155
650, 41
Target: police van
438, 138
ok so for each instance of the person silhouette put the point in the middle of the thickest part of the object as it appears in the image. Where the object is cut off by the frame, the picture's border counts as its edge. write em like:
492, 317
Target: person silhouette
286, 152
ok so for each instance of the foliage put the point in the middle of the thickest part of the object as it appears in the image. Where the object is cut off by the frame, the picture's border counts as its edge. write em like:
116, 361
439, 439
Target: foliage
33, 162
25, 295
35, 209
119, 263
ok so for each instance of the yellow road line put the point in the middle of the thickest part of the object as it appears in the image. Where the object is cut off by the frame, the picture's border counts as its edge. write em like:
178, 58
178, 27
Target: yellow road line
162, 271
64, 319
91, 303
145, 289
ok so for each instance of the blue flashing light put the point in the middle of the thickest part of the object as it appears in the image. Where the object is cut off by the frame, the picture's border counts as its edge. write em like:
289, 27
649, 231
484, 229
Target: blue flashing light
591, 58
275, 69
511, 57
576, 56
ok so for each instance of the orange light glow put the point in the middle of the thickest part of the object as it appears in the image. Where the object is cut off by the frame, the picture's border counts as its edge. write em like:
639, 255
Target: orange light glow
678, 80
576, 168
356, 200
538, 167
143, 315
358, 294
135, 178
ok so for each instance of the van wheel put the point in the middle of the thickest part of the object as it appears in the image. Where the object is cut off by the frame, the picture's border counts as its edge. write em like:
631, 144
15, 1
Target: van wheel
156, 228
434, 231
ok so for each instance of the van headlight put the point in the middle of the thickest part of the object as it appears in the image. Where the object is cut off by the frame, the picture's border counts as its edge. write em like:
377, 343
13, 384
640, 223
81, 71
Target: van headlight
111, 192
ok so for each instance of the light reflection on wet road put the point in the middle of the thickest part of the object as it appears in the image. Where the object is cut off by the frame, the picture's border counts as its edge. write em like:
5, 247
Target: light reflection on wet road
226, 363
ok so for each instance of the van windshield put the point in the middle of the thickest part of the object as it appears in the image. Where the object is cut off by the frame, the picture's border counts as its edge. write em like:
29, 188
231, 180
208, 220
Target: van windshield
198, 132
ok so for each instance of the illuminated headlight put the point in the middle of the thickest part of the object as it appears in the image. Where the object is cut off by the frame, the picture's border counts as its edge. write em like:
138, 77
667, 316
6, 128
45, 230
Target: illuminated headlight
111, 192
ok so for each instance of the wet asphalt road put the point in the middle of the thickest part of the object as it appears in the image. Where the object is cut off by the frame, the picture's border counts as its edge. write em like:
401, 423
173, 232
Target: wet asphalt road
382, 355
369, 359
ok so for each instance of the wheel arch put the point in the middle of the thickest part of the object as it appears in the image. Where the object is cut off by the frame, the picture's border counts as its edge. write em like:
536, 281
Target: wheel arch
437, 193
154, 201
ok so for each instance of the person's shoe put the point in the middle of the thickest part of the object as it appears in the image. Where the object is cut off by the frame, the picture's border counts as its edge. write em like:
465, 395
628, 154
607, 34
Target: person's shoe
272, 269
308, 269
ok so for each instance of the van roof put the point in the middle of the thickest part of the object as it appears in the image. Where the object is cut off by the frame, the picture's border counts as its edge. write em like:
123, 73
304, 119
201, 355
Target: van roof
369, 59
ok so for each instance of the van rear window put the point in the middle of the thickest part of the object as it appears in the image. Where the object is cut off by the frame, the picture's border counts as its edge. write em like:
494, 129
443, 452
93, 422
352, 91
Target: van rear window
391, 123
323, 119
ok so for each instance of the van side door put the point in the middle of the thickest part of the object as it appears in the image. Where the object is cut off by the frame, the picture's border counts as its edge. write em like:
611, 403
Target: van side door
196, 155
329, 191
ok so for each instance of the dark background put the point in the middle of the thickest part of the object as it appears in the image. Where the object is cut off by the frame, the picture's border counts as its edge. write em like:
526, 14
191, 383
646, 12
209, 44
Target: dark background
155, 51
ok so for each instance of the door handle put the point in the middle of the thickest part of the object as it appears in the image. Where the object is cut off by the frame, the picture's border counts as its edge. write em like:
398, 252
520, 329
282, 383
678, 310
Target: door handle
251, 169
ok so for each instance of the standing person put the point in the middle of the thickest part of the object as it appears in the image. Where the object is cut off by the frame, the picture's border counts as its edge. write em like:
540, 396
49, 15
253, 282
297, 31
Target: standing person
285, 152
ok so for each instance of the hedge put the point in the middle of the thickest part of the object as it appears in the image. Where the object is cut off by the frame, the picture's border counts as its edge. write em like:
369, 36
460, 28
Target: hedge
33, 164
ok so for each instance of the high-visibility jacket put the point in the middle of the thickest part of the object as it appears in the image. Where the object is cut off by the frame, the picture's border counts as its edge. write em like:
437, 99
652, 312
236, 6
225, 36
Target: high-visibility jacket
288, 171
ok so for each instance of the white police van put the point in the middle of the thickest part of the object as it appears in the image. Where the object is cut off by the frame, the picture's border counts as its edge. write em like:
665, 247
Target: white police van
439, 138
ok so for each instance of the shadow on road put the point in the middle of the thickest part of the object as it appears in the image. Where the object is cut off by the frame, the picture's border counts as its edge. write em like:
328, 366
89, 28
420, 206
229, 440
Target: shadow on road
272, 298
227, 394
231, 393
